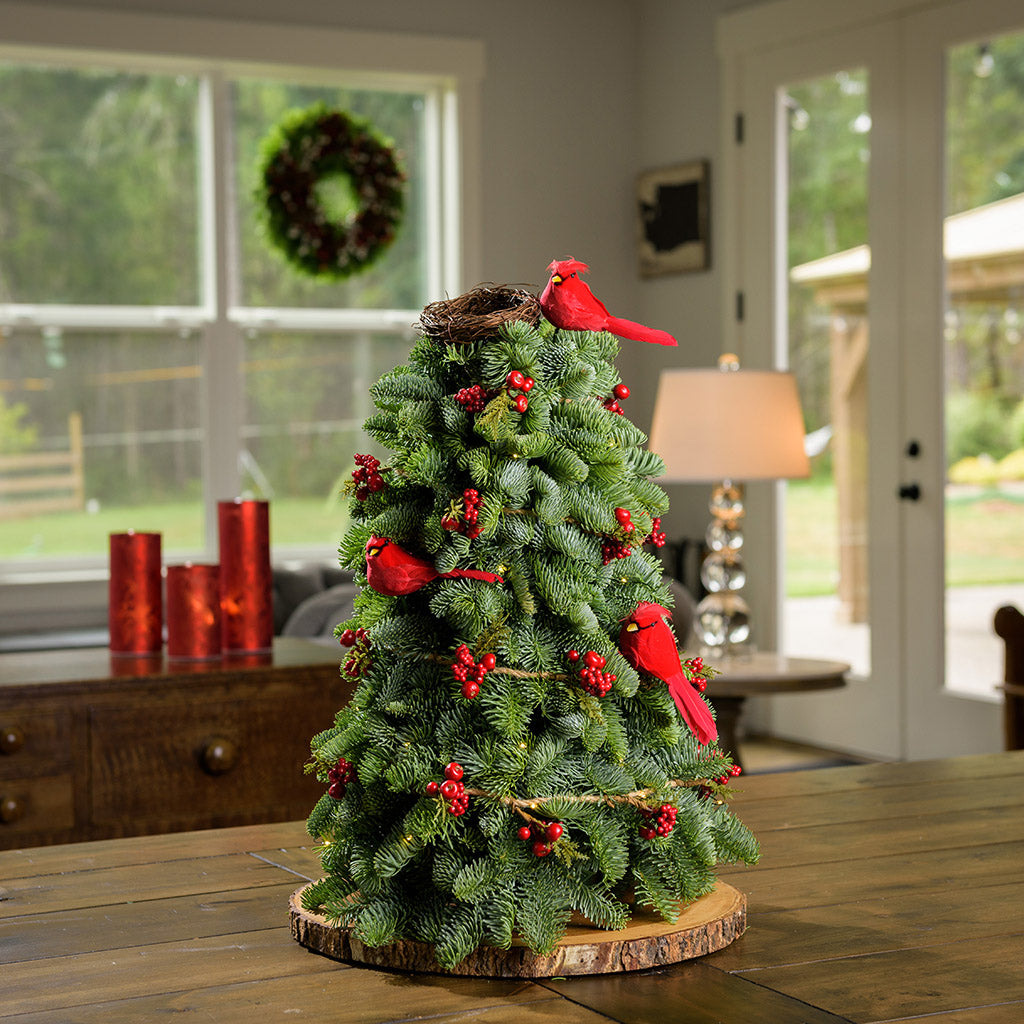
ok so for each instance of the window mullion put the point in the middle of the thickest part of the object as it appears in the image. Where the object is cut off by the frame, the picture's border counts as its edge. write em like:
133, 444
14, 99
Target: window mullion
223, 348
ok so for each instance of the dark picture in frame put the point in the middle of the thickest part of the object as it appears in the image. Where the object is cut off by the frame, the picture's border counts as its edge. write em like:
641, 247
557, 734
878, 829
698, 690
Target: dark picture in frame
672, 219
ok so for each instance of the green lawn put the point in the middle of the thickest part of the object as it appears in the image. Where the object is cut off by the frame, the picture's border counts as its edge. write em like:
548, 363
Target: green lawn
985, 538
309, 523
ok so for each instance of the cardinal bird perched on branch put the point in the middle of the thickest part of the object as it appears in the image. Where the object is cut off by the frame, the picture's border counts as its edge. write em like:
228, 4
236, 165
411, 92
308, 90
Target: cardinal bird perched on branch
394, 572
647, 643
568, 303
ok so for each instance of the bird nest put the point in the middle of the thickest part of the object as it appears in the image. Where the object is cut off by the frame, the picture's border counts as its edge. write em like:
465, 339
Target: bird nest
479, 313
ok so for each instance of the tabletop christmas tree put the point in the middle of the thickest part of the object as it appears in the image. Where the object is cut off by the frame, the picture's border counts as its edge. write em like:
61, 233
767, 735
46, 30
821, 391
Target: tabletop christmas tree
524, 742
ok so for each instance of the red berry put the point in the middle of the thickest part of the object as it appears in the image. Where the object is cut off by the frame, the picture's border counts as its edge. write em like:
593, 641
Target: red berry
541, 849
528, 383
453, 771
488, 661
449, 522
553, 831
524, 833
515, 378
573, 655
593, 660
449, 790
336, 790
620, 391
348, 638
623, 515
432, 789
470, 689
522, 403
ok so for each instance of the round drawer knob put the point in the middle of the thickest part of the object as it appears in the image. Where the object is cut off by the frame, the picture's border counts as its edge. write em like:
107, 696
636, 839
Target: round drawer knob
219, 756
11, 809
12, 739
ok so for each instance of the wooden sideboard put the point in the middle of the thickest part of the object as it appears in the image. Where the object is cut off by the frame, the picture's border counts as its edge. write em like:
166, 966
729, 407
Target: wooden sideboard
94, 746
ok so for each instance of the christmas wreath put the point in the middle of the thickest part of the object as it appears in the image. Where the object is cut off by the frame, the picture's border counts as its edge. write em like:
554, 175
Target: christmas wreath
306, 148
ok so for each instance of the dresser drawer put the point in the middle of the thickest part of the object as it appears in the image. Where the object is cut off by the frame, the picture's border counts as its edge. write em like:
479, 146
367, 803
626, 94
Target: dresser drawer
33, 743
189, 765
43, 804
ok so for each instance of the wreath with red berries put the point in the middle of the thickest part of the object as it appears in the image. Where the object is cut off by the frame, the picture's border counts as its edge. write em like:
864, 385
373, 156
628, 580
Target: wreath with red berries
307, 148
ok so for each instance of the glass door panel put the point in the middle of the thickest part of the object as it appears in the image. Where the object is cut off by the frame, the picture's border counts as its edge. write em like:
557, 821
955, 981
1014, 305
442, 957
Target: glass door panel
984, 358
827, 138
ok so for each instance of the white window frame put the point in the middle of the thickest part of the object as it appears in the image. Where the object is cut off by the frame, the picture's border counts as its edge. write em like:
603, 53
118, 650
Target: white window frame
447, 71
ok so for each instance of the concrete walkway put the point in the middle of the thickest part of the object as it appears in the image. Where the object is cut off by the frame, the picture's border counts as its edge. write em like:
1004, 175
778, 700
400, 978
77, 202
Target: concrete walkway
974, 654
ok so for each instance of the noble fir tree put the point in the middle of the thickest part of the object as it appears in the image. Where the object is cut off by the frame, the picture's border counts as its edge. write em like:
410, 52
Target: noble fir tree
503, 762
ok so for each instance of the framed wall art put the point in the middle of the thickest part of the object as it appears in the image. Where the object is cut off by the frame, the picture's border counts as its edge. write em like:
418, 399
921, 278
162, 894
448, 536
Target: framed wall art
673, 209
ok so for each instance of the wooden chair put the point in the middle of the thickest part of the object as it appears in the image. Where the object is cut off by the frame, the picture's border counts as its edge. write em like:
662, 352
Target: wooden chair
1009, 624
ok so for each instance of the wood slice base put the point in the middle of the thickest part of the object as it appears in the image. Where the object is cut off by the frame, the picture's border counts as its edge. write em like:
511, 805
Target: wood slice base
708, 924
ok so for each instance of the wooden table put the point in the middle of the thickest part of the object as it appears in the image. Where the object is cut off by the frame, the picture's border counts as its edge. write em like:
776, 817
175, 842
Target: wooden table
884, 892
760, 674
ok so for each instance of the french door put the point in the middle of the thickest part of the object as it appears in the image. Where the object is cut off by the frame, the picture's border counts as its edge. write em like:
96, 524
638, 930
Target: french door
844, 146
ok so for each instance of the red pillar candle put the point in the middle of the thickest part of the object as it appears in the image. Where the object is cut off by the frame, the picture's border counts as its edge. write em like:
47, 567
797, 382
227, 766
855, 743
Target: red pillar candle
135, 605
246, 592
193, 611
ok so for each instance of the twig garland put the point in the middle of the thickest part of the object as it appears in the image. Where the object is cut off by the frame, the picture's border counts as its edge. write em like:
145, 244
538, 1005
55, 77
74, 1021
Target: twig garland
636, 798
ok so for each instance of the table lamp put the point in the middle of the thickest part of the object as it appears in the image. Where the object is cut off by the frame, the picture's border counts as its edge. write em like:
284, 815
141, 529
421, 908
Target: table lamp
725, 426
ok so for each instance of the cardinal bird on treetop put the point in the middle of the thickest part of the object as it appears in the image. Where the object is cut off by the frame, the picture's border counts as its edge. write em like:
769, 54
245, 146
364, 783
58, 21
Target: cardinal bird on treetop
647, 643
394, 572
568, 303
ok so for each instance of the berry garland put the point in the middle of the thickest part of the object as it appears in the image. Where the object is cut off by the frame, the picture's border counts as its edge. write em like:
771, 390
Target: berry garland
306, 147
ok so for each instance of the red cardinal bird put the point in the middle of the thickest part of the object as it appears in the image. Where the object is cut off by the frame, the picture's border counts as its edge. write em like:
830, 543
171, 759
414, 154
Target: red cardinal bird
567, 302
393, 571
647, 643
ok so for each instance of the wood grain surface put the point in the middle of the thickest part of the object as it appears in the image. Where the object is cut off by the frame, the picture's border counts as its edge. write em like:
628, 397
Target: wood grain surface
885, 893
703, 927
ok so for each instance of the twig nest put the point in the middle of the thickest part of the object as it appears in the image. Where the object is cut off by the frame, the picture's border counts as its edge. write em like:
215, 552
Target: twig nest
479, 313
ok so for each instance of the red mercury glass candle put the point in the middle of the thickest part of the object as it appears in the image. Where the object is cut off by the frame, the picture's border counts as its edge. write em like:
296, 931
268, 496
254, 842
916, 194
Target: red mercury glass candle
193, 611
135, 596
246, 593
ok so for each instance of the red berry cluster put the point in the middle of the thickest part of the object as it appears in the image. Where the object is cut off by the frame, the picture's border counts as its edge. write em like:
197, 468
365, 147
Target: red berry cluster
453, 790
619, 392
367, 476
473, 398
657, 534
470, 513
659, 822
339, 777
695, 670
469, 672
359, 640
612, 547
593, 679
544, 836
518, 381
733, 771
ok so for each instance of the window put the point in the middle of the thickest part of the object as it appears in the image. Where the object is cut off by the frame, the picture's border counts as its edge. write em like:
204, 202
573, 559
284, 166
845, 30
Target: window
155, 354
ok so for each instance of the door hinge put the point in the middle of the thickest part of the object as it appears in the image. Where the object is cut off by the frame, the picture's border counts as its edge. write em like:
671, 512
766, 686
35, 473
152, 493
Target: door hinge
739, 128
739, 306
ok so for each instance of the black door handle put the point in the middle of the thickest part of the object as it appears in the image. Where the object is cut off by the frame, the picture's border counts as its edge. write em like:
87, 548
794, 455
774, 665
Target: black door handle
910, 492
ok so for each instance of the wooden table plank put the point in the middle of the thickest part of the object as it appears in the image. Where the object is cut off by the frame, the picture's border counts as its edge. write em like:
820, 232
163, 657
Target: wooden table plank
329, 999
905, 983
92, 929
105, 886
911, 834
956, 796
912, 920
823, 884
158, 849
693, 992
875, 777
244, 969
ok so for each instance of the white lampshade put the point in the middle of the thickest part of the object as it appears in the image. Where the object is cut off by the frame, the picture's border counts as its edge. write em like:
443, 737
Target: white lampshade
729, 424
